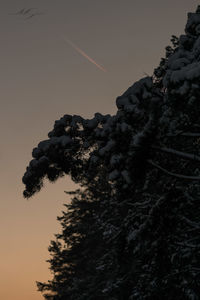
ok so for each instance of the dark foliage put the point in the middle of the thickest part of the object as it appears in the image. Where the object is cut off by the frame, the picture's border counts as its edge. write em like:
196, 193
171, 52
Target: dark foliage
132, 230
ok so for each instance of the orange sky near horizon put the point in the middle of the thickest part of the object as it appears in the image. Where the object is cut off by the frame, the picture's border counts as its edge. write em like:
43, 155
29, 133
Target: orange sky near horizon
42, 78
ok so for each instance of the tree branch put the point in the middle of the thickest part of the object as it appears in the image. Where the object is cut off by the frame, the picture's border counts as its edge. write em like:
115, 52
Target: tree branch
175, 134
191, 223
173, 174
188, 156
189, 134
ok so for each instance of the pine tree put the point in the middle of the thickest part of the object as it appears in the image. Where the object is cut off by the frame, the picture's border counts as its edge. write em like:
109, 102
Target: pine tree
75, 251
140, 178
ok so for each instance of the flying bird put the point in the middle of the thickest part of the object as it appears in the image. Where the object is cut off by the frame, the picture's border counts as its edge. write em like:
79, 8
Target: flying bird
23, 11
84, 54
27, 13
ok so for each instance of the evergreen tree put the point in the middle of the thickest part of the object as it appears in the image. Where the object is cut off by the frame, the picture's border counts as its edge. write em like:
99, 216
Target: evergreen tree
74, 252
140, 178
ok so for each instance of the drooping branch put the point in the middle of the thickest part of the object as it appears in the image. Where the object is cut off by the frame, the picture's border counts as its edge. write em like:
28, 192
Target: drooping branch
63, 153
188, 156
171, 173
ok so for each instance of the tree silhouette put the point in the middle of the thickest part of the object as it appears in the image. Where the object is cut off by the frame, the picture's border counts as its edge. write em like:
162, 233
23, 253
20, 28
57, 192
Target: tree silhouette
139, 174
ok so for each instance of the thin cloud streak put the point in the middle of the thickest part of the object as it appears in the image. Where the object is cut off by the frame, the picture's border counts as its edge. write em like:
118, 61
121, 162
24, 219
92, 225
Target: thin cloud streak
84, 54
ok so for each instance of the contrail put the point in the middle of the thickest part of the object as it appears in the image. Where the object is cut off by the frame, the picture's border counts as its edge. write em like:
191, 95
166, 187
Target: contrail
84, 54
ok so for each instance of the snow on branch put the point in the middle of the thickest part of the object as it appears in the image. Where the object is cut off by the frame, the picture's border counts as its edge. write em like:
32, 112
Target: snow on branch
63, 153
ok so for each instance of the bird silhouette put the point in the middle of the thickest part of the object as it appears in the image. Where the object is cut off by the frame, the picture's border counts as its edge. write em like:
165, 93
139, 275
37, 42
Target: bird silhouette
28, 13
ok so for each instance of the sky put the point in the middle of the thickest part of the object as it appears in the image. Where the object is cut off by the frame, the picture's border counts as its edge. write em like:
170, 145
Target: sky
76, 58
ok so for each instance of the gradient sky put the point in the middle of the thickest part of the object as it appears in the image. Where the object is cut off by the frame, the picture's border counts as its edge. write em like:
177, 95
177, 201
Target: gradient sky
43, 77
